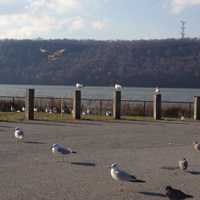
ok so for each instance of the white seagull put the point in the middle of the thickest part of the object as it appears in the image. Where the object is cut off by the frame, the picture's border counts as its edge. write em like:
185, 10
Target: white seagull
19, 134
79, 86
120, 175
43, 50
157, 90
196, 146
183, 164
58, 149
118, 87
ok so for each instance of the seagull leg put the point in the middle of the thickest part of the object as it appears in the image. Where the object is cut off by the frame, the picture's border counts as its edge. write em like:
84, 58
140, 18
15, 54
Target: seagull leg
121, 189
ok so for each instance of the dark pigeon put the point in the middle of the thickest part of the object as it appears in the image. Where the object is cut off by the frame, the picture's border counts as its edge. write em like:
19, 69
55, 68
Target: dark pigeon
174, 194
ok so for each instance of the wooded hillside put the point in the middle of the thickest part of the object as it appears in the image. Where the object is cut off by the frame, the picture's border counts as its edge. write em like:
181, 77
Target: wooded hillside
164, 63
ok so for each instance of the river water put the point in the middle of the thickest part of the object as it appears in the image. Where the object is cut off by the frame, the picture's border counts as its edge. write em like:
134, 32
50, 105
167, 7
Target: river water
130, 93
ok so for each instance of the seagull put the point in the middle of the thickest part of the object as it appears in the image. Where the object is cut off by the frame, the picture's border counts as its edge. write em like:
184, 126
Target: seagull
182, 118
183, 164
43, 50
59, 52
157, 90
19, 134
79, 86
196, 146
53, 56
118, 87
61, 150
174, 194
120, 175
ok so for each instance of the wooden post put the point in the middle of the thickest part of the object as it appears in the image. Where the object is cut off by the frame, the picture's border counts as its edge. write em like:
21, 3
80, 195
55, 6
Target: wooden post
77, 104
157, 106
29, 104
196, 107
117, 104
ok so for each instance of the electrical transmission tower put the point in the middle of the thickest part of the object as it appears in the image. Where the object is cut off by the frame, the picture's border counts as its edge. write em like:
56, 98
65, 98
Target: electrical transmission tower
183, 29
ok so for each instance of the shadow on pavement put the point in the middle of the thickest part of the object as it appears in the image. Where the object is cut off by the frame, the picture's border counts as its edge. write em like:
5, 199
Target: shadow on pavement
155, 194
87, 164
34, 142
169, 168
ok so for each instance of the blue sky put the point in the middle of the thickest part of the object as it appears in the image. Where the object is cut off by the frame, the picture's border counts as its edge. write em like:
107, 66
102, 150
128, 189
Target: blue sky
98, 19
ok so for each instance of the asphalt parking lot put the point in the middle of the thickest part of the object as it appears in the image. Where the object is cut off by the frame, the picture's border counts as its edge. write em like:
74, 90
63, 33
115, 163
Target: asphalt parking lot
148, 150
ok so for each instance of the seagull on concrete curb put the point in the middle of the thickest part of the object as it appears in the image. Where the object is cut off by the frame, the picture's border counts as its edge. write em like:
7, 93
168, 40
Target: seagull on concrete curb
120, 175
58, 149
183, 164
196, 146
174, 194
19, 134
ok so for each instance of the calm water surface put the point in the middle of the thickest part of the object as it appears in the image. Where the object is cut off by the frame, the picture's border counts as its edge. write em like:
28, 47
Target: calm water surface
132, 93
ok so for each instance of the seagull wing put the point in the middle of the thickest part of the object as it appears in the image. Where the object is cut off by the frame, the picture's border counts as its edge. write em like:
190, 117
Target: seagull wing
63, 150
124, 176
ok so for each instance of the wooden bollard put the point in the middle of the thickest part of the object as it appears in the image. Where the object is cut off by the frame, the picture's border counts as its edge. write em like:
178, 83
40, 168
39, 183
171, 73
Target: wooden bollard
196, 108
77, 104
29, 104
116, 104
157, 106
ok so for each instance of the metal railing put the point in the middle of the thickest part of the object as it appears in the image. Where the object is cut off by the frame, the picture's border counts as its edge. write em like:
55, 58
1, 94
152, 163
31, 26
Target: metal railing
97, 106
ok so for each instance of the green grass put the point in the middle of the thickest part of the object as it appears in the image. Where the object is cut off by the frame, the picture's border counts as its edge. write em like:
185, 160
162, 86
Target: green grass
41, 116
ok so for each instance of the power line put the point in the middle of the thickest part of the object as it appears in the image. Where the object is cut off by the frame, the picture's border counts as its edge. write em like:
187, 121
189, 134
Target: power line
183, 29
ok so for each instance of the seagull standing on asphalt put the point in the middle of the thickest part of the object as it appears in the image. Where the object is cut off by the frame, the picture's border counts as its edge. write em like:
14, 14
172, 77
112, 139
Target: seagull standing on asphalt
174, 194
19, 134
58, 149
196, 146
183, 164
120, 175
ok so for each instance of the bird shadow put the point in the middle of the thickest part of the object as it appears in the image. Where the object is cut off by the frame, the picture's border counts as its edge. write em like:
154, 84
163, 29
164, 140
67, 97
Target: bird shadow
155, 194
169, 168
87, 164
33, 142
193, 172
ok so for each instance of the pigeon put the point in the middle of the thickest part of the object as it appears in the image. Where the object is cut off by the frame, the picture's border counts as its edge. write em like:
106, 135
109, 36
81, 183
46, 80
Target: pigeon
196, 146
19, 134
183, 164
174, 194
59, 149
120, 175
118, 87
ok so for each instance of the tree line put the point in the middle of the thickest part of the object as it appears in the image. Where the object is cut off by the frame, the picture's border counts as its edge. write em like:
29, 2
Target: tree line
147, 63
